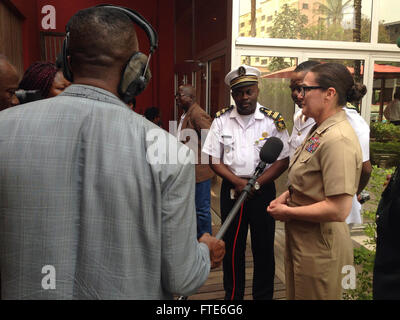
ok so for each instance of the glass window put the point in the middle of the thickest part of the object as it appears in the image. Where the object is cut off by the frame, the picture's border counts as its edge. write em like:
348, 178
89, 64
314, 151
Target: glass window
389, 21
386, 82
385, 114
336, 20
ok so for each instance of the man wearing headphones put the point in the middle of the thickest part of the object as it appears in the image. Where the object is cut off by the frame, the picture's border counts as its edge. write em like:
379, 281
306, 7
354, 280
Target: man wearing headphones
84, 214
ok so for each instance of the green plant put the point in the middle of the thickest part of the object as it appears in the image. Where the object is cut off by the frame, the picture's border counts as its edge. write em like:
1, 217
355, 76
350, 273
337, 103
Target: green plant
385, 131
364, 256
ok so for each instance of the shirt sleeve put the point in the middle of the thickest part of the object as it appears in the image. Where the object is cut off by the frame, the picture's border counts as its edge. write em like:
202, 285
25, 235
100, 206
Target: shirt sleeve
364, 144
340, 167
185, 261
284, 136
212, 145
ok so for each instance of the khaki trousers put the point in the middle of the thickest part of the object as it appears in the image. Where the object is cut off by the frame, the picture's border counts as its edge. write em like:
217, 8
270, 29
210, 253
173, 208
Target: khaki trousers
315, 254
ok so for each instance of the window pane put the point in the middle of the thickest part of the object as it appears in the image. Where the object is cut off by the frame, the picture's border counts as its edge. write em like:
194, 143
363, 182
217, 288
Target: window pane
337, 20
386, 81
389, 21
385, 115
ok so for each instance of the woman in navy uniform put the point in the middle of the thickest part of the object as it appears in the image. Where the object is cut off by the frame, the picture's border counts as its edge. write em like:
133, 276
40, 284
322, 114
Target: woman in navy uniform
323, 175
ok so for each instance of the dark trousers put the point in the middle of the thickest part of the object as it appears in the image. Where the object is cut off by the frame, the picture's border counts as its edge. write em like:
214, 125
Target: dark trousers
262, 229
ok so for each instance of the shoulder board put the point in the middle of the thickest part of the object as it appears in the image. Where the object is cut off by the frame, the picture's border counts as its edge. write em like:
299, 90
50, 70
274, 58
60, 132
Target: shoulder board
221, 112
276, 116
351, 106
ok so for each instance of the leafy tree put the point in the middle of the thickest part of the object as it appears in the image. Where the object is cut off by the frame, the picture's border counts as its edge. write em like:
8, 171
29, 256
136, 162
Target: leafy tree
278, 63
289, 23
333, 10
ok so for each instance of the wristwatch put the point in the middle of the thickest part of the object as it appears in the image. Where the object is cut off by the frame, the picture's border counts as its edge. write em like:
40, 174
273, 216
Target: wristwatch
257, 186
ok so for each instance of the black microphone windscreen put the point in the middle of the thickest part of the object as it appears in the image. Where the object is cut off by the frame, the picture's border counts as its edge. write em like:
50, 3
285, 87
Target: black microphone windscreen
271, 150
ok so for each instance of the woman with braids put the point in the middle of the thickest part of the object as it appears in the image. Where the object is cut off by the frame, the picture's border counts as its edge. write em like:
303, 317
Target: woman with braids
45, 77
324, 174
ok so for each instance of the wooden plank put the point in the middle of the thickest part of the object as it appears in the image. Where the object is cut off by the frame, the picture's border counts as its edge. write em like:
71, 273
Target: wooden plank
213, 288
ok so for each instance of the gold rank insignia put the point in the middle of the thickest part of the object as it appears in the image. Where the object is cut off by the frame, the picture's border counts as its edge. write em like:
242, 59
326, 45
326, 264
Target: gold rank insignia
265, 134
276, 116
221, 112
351, 106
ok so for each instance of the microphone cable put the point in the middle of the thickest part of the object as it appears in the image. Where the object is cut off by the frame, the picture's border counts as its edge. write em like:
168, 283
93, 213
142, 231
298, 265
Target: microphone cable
233, 252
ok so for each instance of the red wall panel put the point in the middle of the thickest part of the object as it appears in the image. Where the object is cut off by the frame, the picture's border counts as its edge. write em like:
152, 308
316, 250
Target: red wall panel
158, 12
30, 41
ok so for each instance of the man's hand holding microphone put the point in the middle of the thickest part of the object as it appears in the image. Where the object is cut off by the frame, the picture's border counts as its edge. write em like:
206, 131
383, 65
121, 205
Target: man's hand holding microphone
216, 247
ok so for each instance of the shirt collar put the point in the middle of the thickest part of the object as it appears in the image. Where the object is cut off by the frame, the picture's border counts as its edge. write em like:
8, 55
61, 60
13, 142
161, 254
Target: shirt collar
258, 115
332, 120
93, 93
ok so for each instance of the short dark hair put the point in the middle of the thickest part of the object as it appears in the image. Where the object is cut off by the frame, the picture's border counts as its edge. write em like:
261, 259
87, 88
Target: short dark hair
306, 65
337, 76
105, 32
151, 113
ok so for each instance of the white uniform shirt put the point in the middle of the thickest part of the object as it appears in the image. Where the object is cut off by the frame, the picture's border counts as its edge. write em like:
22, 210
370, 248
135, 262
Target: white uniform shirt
178, 132
361, 129
238, 145
300, 130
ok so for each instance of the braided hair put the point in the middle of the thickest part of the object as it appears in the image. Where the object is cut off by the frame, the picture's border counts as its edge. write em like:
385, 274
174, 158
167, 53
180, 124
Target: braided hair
39, 76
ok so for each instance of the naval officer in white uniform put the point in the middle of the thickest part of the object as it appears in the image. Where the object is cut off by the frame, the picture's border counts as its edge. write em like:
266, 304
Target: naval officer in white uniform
234, 143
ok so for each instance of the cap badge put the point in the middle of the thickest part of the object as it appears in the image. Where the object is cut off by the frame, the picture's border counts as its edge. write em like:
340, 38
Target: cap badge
241, 71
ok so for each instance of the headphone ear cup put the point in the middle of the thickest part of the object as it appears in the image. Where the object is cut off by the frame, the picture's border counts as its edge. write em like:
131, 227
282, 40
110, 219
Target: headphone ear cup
133, 81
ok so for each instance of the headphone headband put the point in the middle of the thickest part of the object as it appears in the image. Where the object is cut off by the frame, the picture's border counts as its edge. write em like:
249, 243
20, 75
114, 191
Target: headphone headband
140, 21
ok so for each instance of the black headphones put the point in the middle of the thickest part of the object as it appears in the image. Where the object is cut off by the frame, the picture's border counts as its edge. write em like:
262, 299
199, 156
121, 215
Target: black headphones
136, 74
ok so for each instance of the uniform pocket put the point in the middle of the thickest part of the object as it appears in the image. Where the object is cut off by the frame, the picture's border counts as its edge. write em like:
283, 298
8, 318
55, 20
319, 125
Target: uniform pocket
326, 234
305, 157
228, 143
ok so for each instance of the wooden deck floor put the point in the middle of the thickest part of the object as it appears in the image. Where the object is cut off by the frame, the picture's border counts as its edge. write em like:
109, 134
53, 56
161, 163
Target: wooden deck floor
213, 288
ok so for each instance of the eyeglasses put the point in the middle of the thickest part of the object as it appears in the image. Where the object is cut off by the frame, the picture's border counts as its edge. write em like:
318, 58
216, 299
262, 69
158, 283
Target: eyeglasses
304, 89
180, 95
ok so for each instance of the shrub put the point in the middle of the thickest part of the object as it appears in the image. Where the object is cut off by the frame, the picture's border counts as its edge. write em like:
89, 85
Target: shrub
387, 151
385, 131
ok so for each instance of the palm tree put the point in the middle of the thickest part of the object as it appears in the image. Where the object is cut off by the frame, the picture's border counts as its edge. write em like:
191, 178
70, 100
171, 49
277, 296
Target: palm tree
357, 37
253, 18
333, 10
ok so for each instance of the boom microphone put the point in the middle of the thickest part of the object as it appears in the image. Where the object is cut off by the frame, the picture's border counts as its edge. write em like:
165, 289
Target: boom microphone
271, 150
